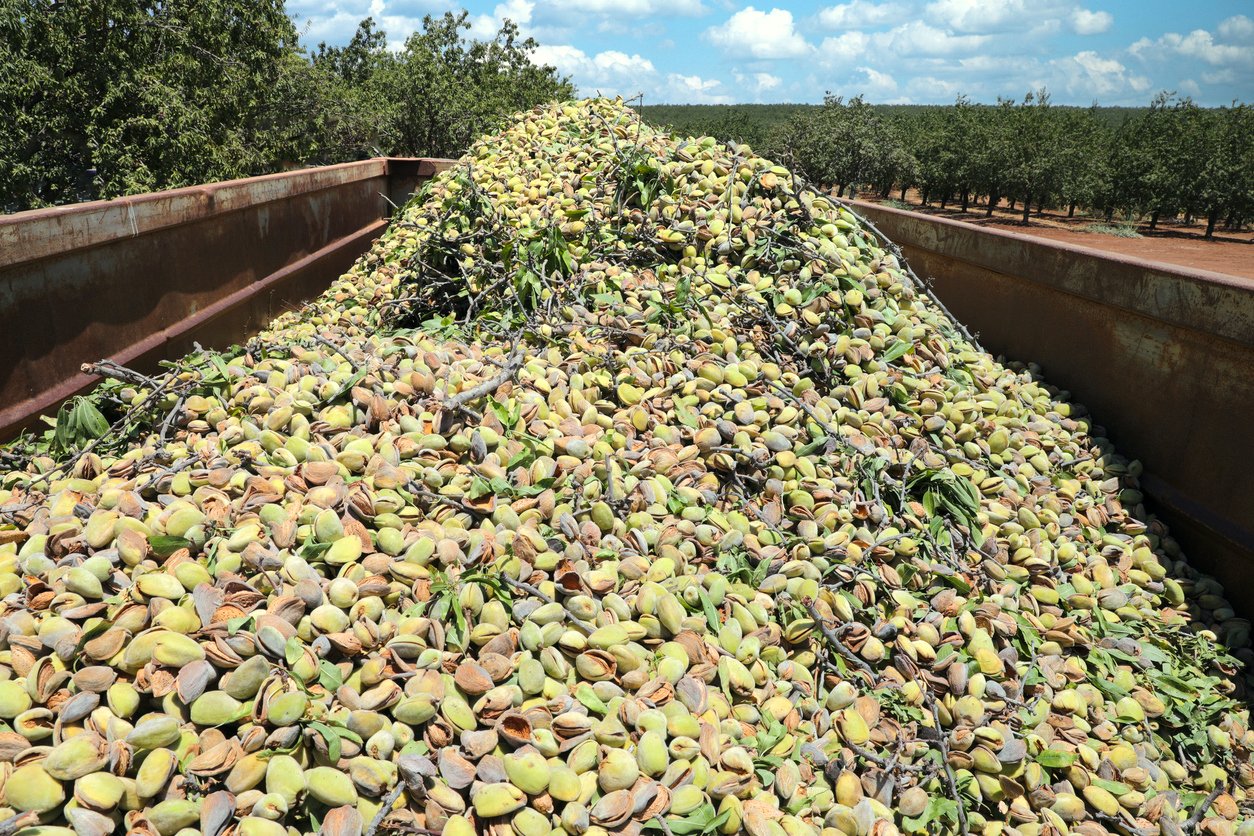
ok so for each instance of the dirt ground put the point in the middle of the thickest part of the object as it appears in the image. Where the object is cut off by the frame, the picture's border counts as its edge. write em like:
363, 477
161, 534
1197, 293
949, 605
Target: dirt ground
1173, 242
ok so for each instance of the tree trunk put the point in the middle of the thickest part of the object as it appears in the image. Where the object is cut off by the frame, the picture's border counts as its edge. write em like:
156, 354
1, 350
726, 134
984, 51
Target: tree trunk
992, 202
1211, 218
903, 194
1110, 213
840, 189
926, 194
1071, 210
886, 191
1012, 204
966, 195
1027, 209
1154, 220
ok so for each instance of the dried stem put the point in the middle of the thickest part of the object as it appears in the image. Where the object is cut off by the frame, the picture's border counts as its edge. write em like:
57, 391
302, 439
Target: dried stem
385, 807
535, 591
834, 640
950, 778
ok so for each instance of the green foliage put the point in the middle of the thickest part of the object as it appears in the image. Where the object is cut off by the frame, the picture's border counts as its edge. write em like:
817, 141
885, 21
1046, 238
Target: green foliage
78, 424
442, 90
946, 495
751, 124
107, 97
1117, 230
1171, 158
102, 98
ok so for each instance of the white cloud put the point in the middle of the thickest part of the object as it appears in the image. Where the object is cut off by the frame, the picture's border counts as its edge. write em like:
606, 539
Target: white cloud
917, 38
336, 29
844, 49
610, 72
931, 89
1089, 74
860, 13
1198, 45
1086, 22
752, 86
485, 27
759, 34
323, 8
692, 89
1220, 77
975, 15
766, 81
878, 84
630, 8
1239, 28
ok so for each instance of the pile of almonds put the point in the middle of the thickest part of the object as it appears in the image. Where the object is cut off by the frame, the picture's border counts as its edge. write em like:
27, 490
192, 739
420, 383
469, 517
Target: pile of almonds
627, 484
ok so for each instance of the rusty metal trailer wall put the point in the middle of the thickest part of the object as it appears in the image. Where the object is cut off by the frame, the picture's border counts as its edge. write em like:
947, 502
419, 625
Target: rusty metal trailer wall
1162, 356
139, 279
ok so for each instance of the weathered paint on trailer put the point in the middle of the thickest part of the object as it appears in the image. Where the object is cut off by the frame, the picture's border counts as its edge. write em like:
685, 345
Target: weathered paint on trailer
139, 279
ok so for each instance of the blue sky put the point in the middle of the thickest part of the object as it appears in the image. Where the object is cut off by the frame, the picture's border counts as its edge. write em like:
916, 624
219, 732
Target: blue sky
1116, 52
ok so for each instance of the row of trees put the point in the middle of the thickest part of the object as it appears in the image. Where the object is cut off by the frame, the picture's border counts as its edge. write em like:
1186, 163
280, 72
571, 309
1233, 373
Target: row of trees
1174, 159
100, 98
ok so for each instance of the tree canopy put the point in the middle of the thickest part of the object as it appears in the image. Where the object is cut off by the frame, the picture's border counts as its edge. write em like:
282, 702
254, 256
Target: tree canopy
101, 98
1173, 158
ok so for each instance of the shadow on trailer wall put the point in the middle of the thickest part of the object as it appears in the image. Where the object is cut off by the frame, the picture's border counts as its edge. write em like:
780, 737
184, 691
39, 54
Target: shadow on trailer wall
140, 279
1162, 356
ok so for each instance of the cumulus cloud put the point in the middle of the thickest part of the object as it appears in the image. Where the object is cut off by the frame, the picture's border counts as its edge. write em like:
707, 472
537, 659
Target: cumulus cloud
692, 89
634, 9
766, 81
891, 50
1199, 45
915, 43
975, 15
610, 72
1239, 28
917, 38
1038, 18
325, 8
1085, 22
844, 49
485, 27
1087, 73
754, 86
860, 13
759, 34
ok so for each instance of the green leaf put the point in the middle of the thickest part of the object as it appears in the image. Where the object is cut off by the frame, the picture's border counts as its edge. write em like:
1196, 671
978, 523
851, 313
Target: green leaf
90, 422
234, 625
164, 545
938, 809
1113, 787
954, 581
479, 487
311, 550
896, 351
331, 737
329, 675
711, 614
1054, 759
292, 650
589, 700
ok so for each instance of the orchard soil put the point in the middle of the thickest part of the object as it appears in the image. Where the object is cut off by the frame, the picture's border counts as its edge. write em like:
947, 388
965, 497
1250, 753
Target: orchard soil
1173, 242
